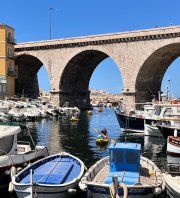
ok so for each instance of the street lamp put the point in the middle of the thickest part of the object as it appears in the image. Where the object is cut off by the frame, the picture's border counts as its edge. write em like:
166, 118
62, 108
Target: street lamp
50, 23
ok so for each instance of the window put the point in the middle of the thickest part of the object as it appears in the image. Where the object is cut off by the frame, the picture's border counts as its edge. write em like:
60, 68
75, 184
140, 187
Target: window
10, 68
2, 89
9, 36
3, 85
10, 52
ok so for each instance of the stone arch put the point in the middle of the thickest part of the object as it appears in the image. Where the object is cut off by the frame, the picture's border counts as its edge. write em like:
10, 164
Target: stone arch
150, 75
74, 82
27, 81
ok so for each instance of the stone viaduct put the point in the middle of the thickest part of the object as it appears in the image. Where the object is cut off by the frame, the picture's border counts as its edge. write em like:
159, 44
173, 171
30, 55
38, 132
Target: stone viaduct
141, 56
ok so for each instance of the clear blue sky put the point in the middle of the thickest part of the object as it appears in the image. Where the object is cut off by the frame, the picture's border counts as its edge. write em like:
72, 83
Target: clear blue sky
30, 19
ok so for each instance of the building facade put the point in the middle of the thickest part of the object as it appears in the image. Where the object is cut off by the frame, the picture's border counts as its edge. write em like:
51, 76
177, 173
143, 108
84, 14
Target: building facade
8, 69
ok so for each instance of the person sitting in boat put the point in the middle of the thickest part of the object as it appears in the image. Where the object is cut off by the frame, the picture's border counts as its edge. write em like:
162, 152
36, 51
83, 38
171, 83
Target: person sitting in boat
104, 133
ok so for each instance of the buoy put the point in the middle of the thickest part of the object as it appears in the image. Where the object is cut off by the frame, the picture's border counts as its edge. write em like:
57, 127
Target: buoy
13, 173
175, 133
151, 172
72, 191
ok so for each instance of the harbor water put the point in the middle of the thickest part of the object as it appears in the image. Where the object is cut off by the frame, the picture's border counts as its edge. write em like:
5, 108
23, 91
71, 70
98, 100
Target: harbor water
79, 138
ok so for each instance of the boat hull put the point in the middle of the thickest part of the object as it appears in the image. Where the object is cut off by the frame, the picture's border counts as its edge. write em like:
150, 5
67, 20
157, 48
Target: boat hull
173, 146
132, 123
102, 141
46, 191
172, 187
167, 130
133, 192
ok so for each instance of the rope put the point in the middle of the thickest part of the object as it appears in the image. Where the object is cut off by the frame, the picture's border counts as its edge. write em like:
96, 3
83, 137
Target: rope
114, 190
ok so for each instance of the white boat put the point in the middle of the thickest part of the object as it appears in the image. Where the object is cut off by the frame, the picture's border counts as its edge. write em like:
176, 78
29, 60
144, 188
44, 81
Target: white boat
15, 154
152, 130
66, 110
55, 176
124, 173
172, 184
173, 145
135, 120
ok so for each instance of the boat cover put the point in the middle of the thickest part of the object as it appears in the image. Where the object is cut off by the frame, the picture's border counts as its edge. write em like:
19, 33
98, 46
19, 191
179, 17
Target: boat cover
8, 130
54, 171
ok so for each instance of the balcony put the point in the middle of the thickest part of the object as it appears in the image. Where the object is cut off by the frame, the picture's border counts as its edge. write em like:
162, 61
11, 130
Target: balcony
10, 55
11, 40
12, 74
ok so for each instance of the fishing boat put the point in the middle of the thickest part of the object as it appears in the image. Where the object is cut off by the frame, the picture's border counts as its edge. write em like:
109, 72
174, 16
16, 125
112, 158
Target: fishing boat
55, 176
135, 120
123, 173
13, 153
172, 184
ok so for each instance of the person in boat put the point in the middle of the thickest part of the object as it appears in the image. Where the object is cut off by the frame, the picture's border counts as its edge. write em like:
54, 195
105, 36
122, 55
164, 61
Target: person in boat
104, 133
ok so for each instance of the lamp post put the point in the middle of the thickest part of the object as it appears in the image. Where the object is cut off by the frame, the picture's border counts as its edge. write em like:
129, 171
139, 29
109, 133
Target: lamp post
50, 22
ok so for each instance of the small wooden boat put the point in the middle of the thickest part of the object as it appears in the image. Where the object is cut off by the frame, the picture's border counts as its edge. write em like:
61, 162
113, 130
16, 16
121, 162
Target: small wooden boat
172, 184
124, 173
173, 146
74, 119
55, 176
89, 112
100, 109
102, 140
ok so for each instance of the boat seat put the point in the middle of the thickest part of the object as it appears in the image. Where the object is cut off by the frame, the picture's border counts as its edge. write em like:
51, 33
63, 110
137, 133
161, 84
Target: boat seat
129, 178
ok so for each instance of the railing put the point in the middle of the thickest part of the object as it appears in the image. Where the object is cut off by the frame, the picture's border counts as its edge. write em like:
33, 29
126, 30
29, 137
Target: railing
10, 55
12, 74
11, 40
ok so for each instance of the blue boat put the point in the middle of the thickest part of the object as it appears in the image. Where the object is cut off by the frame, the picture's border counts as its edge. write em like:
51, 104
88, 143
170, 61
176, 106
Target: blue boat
56, 176
124, 173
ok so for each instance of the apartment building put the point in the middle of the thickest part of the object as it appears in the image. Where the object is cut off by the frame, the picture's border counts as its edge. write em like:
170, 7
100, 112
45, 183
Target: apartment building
8, 69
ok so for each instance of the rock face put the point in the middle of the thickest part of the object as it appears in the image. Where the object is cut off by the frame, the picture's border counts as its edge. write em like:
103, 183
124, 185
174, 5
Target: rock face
99, 97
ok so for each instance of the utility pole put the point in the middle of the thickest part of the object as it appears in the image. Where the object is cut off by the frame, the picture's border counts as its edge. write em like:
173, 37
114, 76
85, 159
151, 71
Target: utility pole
50, 21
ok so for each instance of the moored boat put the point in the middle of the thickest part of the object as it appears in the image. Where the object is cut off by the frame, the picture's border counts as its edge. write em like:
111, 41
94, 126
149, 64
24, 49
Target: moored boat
124, 173
172, 184
74, 119
134, 120
151, 130
15, 154
173, 145
55, 176
102, 140
167, 130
